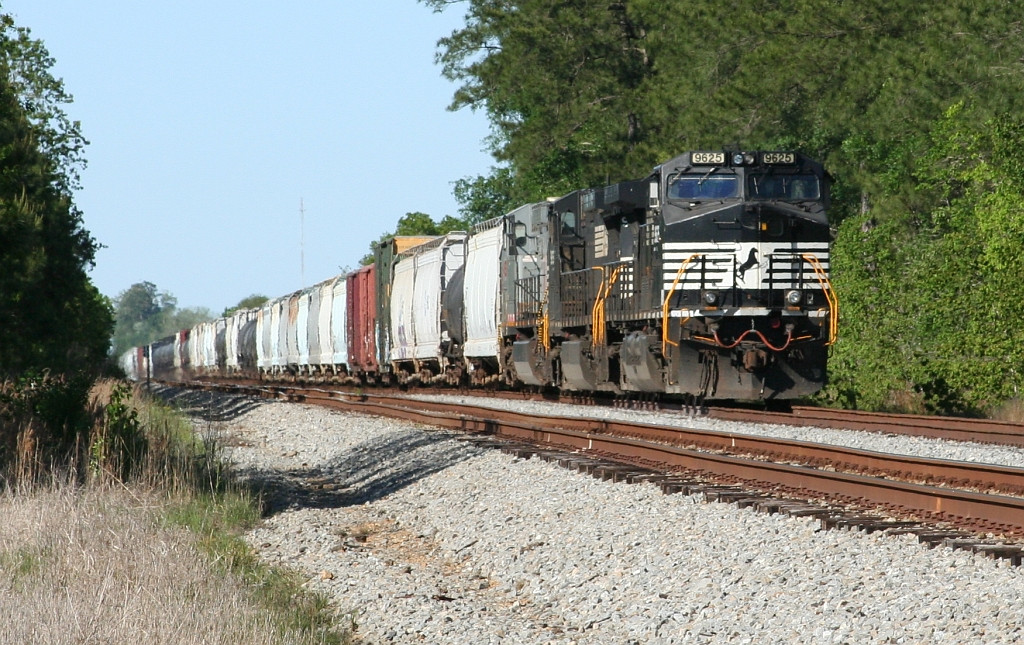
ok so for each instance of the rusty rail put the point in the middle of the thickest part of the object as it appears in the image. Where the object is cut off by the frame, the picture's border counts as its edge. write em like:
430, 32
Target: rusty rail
935, 427
730, 455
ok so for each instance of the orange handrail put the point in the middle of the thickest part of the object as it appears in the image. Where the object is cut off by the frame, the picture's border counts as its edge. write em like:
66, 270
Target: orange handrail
830, 296
665, 305
597, 317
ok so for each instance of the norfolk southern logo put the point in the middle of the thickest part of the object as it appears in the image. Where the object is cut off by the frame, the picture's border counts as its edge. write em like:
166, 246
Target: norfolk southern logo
749, 264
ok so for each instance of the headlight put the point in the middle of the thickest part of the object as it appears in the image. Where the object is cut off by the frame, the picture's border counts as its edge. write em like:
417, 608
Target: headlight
793, 297
710, 298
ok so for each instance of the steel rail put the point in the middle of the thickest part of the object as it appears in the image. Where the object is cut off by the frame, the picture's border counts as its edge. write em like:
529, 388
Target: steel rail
1004, 479
948, 428
938, 427
994, 512
997, 513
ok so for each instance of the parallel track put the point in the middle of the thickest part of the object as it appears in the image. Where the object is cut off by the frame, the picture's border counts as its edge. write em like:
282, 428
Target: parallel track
966, 495
949, 428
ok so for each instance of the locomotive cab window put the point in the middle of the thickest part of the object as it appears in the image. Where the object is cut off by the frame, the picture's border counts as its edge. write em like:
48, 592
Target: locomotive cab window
570, 227
784, 187
696, 187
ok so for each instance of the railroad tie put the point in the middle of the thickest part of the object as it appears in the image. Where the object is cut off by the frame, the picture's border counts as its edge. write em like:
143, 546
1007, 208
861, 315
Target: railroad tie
1014, 554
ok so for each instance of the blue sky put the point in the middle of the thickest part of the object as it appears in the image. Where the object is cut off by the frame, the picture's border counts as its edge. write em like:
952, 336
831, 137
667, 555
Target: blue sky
210, 121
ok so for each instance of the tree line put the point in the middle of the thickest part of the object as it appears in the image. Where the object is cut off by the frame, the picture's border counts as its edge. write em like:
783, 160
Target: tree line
52, 316
143, 313
55, 325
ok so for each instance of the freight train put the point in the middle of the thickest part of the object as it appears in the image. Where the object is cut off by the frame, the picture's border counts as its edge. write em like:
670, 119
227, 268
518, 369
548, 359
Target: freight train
708, 278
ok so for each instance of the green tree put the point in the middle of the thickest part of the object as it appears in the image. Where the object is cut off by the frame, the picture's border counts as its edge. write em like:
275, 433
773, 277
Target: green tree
186, 318
486, 197
56, 325
53, 317
416, 224
144, 314
249, 302
930, 293
560, 84
41, 96
583, 93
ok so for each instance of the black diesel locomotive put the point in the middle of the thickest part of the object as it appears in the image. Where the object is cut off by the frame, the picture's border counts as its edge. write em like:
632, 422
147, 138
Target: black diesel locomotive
710, 277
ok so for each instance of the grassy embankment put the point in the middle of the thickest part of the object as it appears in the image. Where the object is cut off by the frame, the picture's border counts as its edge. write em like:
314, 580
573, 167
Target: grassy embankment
138, 541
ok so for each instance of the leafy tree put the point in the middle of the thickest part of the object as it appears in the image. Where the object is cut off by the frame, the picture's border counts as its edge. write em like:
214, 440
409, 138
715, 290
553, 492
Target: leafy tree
929, 294
41, 96
250, 302
417, 223
144, 314
56, 325
483, 198
187, 318
53, 317
582, 93
141, 313
140, 303
559, 83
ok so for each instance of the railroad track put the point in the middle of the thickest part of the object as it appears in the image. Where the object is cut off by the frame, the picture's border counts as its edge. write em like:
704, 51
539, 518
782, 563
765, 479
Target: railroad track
935, 427
977, 498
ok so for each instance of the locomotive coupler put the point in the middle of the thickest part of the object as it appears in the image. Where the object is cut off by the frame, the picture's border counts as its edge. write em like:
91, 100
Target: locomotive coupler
755, 359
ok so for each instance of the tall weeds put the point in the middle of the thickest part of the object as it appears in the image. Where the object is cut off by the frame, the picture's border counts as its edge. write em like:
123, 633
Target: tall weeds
129, 531
44, 422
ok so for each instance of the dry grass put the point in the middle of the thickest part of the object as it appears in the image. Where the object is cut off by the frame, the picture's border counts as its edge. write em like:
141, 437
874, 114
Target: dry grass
99, 566
148, 554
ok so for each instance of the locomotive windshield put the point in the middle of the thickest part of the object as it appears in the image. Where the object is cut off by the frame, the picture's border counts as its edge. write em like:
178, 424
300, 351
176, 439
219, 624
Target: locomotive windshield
703, 186
785, 187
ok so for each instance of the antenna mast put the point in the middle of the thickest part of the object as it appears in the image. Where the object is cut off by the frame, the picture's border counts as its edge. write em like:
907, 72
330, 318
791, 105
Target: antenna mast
302, 244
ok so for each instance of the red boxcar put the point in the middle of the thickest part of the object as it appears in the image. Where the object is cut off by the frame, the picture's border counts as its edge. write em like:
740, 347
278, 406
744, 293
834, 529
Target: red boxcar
362, 321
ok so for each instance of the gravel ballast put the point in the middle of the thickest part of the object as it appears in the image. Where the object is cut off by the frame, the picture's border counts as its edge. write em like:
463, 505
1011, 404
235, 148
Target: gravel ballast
423, 538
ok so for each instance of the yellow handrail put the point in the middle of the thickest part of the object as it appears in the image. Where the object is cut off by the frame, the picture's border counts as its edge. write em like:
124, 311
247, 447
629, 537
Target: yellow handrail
545, 324
597, 304
597, 318
665, 342
820, 274
830, 296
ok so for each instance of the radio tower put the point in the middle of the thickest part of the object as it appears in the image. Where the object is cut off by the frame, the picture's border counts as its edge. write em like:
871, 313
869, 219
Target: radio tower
302, 244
